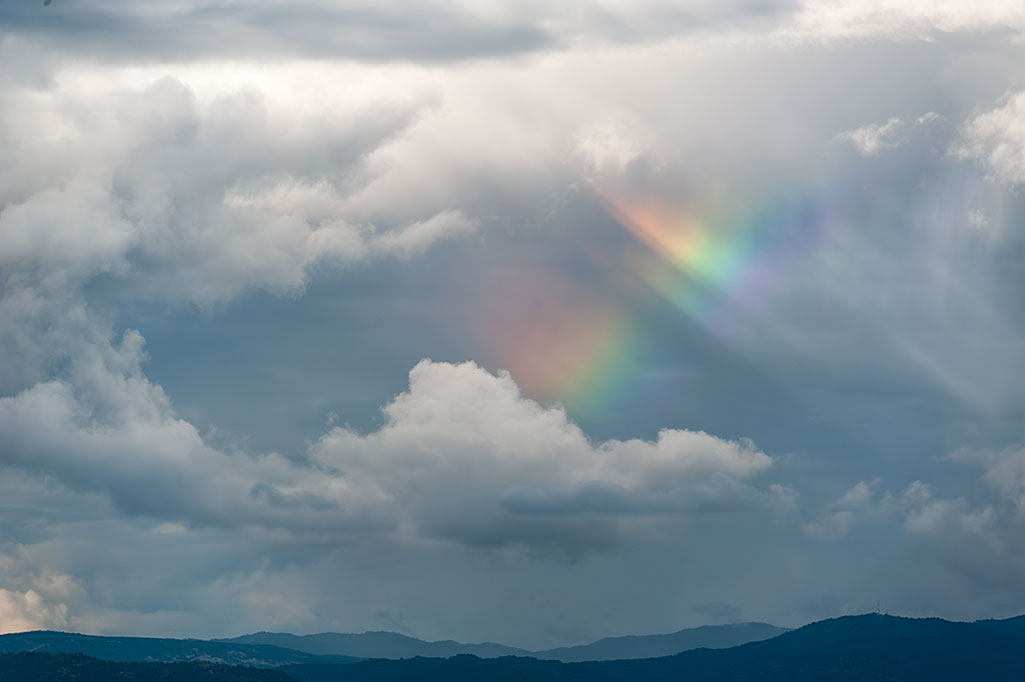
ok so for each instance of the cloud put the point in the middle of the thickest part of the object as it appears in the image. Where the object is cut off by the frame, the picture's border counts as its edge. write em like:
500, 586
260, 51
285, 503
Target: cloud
462, 456
921, 511
979, 540
870, 139
312, 28
948, 517
860, 495
147, 171
457, 31
147, 187
197, 194
21, 611
109, 431
834, 526
996, 139
418, 237
1004, 472
854, 20
858, 500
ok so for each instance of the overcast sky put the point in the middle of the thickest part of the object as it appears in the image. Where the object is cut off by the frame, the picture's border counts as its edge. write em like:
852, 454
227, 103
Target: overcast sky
494, 321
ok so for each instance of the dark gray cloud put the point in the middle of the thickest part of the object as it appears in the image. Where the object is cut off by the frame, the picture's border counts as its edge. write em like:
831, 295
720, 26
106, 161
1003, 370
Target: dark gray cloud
266, 30
429, 31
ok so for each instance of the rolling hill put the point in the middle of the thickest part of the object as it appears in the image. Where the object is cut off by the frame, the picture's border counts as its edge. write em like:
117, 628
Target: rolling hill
653, 646
394, 646
848, 649
40, 667
148, 649
375, 645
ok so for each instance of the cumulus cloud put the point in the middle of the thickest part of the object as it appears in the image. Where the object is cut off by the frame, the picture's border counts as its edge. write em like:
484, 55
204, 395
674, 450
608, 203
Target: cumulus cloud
845, 510
187, 191
948, 517
107, 430
918, 508
980, 540
20, 611
996, 139
463, 456
197, 194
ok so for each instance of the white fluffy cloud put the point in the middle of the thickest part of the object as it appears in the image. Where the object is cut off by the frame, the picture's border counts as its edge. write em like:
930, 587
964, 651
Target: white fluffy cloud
997, 139
462, 456
197, 192
20, 611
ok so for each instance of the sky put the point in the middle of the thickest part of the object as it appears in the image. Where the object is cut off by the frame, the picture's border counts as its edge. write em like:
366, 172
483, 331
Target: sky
509, 322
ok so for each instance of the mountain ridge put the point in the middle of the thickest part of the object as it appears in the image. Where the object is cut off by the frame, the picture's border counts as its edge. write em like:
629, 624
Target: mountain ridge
376, 644
30, 666
274, 649
846, 649
667, 644
391, 645
159, 649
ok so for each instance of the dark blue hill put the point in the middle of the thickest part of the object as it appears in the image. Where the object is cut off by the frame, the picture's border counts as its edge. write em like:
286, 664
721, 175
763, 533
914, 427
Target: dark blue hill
850, 649
376, 645
653, 646
394, 645
156, 649
37, 667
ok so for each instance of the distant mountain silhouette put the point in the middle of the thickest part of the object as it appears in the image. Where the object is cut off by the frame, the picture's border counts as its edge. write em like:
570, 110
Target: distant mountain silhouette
271, 650
155, 649
375, 645
653, 646
849, 649
37, 667
394, 646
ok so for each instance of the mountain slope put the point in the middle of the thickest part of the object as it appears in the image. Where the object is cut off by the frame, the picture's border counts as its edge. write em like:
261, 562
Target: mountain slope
394, 646
156, 649
849, 649
653, 646
38, 667
375, 645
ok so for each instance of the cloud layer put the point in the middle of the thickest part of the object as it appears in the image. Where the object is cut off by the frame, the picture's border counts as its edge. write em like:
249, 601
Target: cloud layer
462, 456
330, 193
